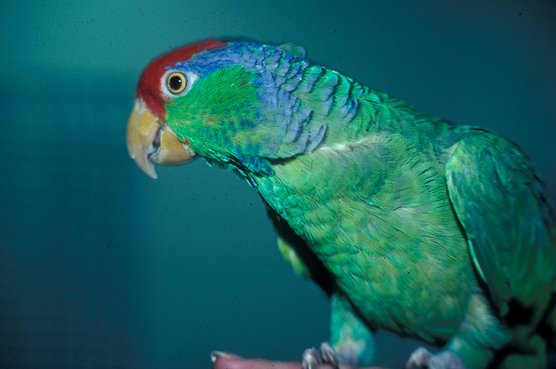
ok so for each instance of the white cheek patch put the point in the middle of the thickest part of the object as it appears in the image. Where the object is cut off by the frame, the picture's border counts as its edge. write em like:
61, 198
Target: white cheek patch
140, 106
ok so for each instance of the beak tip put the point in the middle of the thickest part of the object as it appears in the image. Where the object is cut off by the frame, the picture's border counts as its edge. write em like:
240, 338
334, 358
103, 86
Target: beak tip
147, 167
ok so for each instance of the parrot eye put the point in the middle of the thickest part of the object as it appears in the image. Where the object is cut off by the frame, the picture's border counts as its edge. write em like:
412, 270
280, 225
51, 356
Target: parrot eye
176, 82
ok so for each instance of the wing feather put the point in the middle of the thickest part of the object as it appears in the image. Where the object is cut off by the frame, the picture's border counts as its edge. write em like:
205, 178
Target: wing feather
510, 226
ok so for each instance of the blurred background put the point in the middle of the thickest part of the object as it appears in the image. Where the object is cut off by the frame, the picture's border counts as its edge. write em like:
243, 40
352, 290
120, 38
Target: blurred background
103, 267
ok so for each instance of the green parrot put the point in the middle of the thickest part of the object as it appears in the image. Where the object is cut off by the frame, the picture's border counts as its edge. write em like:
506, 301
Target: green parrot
408, 222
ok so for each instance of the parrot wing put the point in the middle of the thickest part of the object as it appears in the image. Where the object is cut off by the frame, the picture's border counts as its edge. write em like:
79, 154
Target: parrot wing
510, 226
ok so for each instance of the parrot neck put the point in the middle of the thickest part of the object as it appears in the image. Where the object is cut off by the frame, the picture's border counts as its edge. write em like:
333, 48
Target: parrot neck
346, 111
361, 127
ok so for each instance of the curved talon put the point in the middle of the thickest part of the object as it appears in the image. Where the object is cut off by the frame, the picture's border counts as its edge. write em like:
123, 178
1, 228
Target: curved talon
329, 355
310, 359
423, 358
418, 358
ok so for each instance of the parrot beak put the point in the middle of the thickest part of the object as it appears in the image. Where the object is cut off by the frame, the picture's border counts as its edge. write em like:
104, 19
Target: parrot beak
150, 142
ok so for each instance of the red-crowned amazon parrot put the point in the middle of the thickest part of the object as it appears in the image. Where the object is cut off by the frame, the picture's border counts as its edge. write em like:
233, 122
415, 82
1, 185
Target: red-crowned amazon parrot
408, 222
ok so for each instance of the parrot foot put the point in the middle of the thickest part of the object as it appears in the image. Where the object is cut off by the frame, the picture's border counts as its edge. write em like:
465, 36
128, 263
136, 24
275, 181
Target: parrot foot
310, 359
423, 358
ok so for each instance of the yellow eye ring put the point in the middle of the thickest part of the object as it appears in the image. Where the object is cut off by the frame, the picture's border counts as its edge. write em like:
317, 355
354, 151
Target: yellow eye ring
176, 82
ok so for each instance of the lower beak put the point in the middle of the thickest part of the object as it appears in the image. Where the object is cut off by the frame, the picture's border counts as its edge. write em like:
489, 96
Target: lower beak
150, 142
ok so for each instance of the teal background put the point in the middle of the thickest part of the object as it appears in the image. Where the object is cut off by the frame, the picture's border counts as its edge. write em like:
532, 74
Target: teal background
102, 267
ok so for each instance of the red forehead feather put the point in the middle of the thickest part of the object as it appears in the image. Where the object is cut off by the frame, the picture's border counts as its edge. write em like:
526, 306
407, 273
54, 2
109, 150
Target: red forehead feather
148, 87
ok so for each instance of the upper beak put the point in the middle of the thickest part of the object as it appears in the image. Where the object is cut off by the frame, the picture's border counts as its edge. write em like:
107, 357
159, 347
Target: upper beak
150, 142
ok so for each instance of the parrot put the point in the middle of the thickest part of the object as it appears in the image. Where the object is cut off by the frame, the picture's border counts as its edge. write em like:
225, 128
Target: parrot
409, 223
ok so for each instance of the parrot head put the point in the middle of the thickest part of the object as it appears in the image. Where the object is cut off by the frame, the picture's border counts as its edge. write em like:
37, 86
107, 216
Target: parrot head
229, 102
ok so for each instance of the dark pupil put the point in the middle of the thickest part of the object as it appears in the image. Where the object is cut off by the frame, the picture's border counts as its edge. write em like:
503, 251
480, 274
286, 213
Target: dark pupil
175, 83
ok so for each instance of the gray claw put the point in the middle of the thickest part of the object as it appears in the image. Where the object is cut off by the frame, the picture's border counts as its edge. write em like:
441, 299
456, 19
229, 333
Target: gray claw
418, 358
423, 358
310, 359
329, 355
